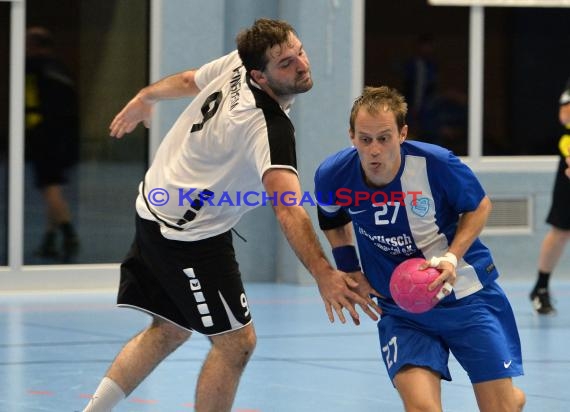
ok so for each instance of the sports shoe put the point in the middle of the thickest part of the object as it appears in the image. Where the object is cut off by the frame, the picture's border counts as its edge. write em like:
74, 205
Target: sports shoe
70, 248
541, 302
48, 248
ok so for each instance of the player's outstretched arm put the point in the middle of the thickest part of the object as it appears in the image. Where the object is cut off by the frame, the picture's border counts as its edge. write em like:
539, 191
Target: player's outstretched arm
335, 286
341, 237
139, 109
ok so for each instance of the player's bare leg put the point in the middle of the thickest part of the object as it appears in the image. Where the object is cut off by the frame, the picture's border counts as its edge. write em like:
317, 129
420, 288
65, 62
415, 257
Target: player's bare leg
221, 372
552, 248
419, 388
144, 352
550, 253
57, 207
499, 395
58, 217
135, 361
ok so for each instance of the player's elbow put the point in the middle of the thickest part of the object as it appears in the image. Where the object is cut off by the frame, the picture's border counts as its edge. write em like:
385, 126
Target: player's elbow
189, 82
485, 207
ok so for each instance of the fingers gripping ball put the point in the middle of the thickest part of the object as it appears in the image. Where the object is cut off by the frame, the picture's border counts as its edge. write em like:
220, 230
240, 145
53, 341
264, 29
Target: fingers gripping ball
409, 286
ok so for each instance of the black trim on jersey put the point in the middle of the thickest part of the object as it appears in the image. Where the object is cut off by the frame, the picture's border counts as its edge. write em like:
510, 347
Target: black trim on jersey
332, 222
280, 129
165, 223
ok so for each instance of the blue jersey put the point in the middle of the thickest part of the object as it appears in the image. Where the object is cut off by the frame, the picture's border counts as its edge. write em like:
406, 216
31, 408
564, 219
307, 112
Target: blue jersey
415, 215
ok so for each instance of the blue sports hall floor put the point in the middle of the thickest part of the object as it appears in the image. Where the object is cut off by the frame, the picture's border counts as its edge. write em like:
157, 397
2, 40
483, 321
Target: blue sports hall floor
54, 348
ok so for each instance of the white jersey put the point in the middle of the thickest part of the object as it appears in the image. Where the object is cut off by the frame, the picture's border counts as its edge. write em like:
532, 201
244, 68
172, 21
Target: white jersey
207, 172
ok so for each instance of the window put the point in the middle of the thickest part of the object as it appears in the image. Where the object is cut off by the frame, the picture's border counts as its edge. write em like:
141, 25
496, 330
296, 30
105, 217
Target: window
423, 52
86, 61
526, 67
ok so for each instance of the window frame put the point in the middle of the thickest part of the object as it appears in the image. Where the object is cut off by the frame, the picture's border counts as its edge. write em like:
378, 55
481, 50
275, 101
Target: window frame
476, 85
16, 275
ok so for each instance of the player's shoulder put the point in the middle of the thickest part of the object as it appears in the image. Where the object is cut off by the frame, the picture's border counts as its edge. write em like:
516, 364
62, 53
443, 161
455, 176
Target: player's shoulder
432, 152
338, 163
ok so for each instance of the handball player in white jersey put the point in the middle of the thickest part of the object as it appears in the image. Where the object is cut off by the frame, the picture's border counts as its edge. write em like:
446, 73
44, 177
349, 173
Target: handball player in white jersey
235, 136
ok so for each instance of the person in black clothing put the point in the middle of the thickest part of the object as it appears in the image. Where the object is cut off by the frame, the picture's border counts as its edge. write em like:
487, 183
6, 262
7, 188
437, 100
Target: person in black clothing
558, 217
51, 138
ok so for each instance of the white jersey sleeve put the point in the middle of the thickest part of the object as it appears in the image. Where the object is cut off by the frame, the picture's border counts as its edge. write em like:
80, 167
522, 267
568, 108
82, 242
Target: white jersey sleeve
209, 71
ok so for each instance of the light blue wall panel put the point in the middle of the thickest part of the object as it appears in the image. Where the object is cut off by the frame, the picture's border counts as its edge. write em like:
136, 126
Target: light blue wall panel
321, 115
516, 256
193, 33
241, 14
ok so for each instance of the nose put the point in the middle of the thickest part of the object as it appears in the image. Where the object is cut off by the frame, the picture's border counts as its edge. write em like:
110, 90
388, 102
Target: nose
375, 148
302, 64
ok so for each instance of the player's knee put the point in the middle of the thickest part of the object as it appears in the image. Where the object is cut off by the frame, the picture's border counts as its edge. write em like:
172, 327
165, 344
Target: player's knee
422, 404
170, 334
237, 346
520, 399
513, 403
247, 343
563, 235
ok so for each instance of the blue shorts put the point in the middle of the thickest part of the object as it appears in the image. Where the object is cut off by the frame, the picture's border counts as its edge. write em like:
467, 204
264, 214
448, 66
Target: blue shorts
480, 330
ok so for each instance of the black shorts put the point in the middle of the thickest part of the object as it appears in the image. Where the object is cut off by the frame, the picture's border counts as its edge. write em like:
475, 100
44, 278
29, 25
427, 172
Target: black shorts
196, 285
559, 216
49, 173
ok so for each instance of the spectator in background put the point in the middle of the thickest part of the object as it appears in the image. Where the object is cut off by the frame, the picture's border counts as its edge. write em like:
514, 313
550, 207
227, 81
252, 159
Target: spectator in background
51, 138
435, 115
420, 82
558, 218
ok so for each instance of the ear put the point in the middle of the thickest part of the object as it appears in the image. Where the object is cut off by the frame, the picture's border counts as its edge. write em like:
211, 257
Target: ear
257, 76
351, 133
404, 133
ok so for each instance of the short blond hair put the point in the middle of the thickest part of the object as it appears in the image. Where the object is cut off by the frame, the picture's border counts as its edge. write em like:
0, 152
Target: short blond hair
375, 98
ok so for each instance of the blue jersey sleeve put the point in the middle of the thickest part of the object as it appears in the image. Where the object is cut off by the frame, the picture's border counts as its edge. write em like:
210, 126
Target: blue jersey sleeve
330, 214
463, 189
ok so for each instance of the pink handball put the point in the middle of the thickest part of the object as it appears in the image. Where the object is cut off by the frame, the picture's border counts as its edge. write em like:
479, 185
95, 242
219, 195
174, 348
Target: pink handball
409, 286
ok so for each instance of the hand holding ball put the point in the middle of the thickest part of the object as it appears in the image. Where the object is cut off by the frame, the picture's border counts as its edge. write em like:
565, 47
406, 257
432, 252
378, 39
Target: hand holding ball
409, 286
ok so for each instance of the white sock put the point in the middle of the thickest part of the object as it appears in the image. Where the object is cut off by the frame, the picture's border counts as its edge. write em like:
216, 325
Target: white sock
107, 396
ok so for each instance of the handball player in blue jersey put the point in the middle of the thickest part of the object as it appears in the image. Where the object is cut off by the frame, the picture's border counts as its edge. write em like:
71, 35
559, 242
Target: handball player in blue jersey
405, 199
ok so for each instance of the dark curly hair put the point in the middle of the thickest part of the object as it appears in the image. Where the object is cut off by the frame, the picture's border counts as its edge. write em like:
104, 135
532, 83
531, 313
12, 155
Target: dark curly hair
253, 42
